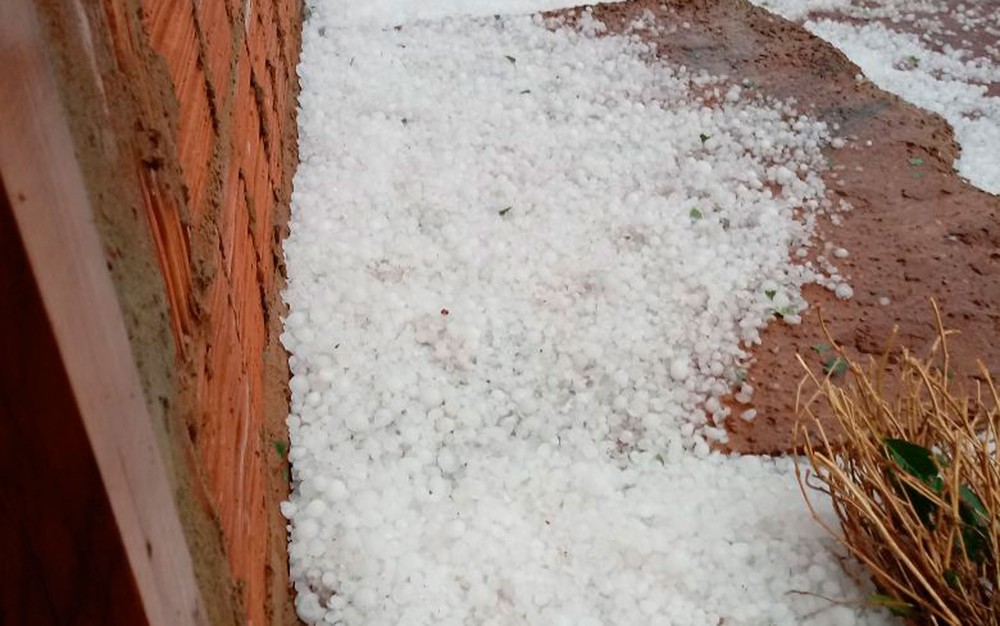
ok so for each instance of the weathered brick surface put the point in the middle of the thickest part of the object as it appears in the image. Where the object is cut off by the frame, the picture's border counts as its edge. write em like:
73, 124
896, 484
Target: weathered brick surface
173, 33
182, 112
231, 75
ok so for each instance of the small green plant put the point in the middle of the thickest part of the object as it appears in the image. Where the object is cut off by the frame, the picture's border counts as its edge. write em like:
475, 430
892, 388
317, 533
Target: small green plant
511, 59
695, 214
915, 161
704, 137
914, 479
780, 312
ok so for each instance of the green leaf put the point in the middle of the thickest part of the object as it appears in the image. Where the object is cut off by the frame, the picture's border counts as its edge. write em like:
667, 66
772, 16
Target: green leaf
704, 137
975, 520
512, 60
787, 310
821, 348
915, 460
971, 502
695, 214
915, 161
504, 211
770, 293
923, 506
659, 457
834, 366
895, 605
918, 462
977, 544
280, 447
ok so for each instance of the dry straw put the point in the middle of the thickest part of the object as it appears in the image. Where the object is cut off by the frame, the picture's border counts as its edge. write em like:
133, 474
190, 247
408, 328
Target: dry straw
911, 468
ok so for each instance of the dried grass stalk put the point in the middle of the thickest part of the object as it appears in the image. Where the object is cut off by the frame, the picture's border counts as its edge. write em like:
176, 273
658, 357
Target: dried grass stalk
913, 479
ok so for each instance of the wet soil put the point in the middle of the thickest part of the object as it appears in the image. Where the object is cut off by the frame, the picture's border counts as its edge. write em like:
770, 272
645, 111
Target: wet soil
917, 230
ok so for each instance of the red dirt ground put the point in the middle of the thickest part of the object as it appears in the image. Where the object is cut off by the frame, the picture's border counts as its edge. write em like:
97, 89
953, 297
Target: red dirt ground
917, 231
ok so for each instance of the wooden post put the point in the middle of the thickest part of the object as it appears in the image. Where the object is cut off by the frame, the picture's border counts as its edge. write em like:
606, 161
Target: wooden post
91, 533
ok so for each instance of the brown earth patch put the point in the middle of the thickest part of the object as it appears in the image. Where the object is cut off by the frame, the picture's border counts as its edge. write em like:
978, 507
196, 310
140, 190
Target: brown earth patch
917, 230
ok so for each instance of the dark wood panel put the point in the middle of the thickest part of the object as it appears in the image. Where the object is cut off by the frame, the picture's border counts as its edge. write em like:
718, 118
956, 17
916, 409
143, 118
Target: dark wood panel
61, 557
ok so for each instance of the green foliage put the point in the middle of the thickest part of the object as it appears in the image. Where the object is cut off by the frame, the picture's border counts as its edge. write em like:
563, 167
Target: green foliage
785, 310
913, 459
895, 605
834, 366
925, 466
280, 447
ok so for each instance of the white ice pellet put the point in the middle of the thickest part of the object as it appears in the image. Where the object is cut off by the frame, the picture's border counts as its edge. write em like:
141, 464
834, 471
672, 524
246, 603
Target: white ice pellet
316, 508
843, 291
679, 369
430, 395
446, 461
308, 608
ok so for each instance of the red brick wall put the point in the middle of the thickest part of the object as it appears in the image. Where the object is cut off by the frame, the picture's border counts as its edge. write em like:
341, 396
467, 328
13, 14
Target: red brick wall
231, 73
183, 116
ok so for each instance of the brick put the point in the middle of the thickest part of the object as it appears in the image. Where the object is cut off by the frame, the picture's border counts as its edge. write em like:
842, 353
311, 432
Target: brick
217, 32
172, 32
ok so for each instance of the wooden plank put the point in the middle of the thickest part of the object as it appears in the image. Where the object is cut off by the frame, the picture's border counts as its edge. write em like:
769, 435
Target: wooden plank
63, 559
54, 219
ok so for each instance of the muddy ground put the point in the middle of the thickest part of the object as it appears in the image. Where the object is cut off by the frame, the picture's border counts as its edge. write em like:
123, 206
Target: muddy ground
917, 230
